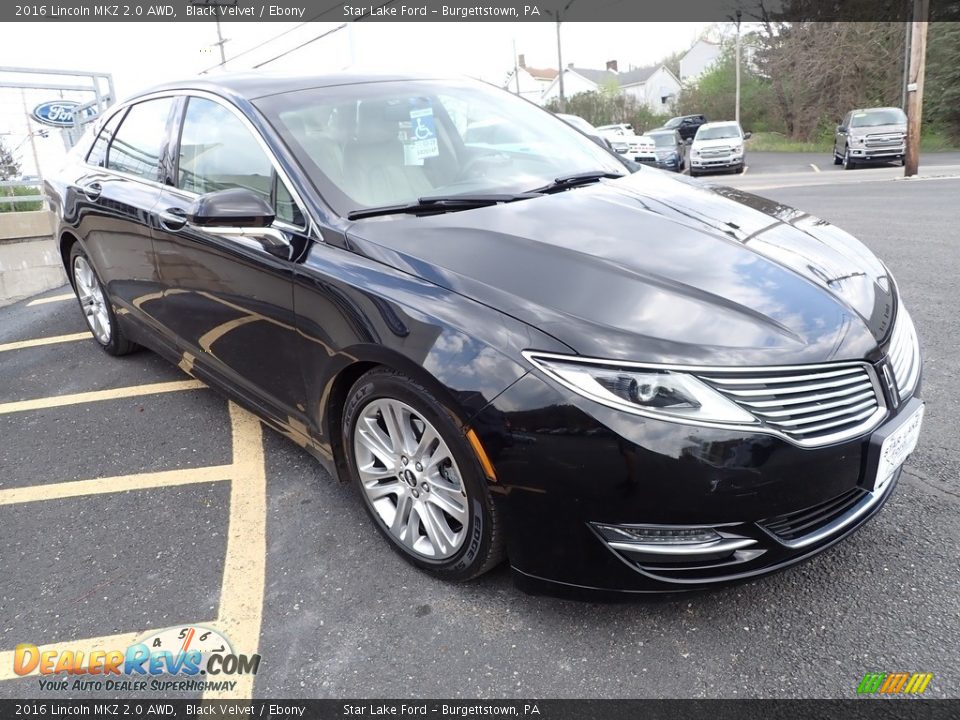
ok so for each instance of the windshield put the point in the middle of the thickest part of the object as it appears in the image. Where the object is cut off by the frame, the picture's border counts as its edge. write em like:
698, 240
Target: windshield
674, 123
718, 132
882, 116
663, 140
385, 143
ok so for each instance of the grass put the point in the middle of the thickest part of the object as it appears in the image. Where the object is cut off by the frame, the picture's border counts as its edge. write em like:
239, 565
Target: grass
18, 191
932, 141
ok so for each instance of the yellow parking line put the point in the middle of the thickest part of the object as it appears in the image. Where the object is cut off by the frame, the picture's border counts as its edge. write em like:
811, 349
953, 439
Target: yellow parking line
51, 299
37, 342
244, 567
112, 394
118, 483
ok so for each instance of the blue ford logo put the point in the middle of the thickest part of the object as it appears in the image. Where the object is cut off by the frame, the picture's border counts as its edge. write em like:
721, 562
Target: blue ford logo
58, 113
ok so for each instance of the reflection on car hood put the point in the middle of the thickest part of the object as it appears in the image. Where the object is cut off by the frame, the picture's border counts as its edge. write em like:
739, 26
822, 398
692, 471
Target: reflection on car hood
655, 268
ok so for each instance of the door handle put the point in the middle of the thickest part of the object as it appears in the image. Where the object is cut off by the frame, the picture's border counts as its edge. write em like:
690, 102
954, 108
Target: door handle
92, 191
173, 219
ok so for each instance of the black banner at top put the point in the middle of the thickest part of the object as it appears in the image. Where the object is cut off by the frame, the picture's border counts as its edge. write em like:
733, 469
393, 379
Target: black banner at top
472, 10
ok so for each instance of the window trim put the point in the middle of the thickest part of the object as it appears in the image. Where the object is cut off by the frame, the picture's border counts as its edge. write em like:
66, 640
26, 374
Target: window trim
164, 146
310, 228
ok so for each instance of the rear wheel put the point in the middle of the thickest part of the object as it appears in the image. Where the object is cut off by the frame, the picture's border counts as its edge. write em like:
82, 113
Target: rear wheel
96, 306
419, 480
837, 160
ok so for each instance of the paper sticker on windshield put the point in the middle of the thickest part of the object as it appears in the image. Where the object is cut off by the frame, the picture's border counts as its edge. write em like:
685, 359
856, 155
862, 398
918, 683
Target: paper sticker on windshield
423, 133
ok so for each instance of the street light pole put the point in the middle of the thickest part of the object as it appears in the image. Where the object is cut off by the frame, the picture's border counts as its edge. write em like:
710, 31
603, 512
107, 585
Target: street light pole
563, 98
737, 108
918, 58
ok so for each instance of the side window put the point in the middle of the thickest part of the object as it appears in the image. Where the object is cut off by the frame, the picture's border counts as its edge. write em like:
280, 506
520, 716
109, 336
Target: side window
285, 206
98, 152
137, 145
218, 152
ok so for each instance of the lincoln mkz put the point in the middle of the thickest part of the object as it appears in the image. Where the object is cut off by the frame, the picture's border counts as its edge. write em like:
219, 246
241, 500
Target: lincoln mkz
516, 349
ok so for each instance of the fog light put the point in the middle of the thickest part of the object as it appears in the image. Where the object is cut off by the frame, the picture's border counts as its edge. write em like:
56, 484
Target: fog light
659, 534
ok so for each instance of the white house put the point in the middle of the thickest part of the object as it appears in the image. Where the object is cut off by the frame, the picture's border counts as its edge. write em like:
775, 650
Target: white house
654, 86
698, 60
529, 82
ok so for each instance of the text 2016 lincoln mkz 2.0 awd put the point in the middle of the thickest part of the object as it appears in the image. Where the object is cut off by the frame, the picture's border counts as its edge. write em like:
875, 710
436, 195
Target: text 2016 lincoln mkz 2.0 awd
513, 348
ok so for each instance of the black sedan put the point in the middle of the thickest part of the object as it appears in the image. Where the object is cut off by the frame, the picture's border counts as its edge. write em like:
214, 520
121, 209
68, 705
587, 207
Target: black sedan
513, 349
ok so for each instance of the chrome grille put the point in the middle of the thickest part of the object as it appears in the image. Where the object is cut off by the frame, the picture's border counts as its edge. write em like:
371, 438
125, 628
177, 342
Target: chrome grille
904, 353
885, 140
812, 404
715, 151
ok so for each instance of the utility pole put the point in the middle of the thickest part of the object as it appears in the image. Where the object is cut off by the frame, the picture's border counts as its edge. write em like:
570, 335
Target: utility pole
737, 109
563, 98
220, 41
908, 28
918, 61
516, 68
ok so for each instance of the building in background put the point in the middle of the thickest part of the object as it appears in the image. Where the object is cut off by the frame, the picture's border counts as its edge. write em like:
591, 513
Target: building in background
529, 82
653, 86
698, 59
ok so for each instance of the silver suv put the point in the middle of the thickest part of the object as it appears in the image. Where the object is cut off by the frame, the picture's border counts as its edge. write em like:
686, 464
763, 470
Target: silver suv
872, 135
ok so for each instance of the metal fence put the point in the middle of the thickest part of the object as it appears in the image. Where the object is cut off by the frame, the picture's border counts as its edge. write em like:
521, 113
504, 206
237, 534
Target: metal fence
8, 198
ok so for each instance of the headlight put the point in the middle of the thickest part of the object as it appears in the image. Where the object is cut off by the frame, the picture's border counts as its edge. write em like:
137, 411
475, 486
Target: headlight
857, 139
649, 391
737, 149
695, 153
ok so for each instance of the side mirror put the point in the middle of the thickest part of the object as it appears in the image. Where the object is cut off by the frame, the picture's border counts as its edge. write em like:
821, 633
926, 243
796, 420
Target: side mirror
747, 135
234, 207
242, 215
841, 129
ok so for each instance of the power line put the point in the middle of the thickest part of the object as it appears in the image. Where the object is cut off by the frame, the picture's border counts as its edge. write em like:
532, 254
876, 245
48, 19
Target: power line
303, 44
260, 45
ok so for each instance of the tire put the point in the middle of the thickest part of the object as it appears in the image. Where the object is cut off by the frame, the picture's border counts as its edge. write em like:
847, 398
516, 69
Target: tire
837, 160
96, 306
848, 163
437, 514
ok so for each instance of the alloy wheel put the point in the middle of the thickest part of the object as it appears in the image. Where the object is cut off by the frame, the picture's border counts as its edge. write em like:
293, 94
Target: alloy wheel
411, 479
91, 299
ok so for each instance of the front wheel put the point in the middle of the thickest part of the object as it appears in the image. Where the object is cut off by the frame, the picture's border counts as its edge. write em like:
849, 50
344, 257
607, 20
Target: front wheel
848, 163
419, 480
837, 160
96, 305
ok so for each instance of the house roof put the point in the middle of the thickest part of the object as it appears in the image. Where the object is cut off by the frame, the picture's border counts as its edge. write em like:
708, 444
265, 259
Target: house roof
541, 73
629, 77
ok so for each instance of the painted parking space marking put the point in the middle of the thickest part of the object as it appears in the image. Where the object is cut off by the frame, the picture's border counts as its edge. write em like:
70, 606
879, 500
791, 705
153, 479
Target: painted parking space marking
240, 608
814, 167
96, 395
38, 342
52, 299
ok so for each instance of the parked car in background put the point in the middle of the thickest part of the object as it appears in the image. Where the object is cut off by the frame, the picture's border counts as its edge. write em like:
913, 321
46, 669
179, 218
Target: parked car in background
644, 150
717, 146
617, 129
686, 125
669, 149
586, 128
619, 382
871, 135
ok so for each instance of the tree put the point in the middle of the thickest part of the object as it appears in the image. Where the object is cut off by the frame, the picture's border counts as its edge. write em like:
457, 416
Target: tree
941, 97
9, 166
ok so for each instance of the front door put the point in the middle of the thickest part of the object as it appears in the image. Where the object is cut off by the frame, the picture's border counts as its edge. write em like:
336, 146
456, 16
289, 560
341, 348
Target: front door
228, 302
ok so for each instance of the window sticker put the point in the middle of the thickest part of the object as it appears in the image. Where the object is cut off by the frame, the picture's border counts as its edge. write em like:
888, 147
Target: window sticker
423, 133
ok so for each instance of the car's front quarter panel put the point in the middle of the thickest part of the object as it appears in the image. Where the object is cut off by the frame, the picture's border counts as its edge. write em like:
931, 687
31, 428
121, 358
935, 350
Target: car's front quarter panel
354, 310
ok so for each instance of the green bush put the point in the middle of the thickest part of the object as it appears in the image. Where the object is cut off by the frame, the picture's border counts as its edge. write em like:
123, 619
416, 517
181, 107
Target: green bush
21, 191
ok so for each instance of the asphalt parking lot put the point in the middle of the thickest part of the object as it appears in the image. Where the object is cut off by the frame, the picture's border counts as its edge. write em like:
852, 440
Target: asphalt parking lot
133, 498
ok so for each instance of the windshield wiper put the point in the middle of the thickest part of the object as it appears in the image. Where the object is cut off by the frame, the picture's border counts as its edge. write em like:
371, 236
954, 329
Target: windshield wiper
568, 181
441, 204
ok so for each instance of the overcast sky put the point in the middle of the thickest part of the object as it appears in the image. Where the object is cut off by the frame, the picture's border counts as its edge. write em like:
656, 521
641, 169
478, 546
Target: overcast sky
142, 54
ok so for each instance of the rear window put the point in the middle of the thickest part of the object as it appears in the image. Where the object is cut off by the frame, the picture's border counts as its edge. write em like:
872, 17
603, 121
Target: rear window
137, 145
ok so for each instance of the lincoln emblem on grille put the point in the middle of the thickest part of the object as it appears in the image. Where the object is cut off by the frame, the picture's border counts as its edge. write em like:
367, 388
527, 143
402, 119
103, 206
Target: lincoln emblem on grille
891, 384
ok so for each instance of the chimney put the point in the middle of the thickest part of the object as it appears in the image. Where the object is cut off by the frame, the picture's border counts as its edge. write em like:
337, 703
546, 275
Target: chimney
521, 60
612, 65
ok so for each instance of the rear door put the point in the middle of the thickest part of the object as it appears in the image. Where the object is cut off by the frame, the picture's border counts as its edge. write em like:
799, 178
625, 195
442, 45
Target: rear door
120, 188
228, 302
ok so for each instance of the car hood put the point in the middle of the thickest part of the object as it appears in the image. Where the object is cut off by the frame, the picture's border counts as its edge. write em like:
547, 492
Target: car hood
654, 268
719, 142
878, 130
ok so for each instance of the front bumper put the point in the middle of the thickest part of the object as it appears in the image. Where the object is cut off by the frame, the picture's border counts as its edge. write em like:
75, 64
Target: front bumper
722, 163
565, 466
865, 154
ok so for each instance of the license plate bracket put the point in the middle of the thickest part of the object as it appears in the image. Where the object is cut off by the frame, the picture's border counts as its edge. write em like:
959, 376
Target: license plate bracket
891, 445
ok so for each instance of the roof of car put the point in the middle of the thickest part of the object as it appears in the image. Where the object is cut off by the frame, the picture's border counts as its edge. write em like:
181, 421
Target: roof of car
719, 123
255, 85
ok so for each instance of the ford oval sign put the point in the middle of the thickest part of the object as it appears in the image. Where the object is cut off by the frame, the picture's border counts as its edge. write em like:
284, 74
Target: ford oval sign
58, 113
